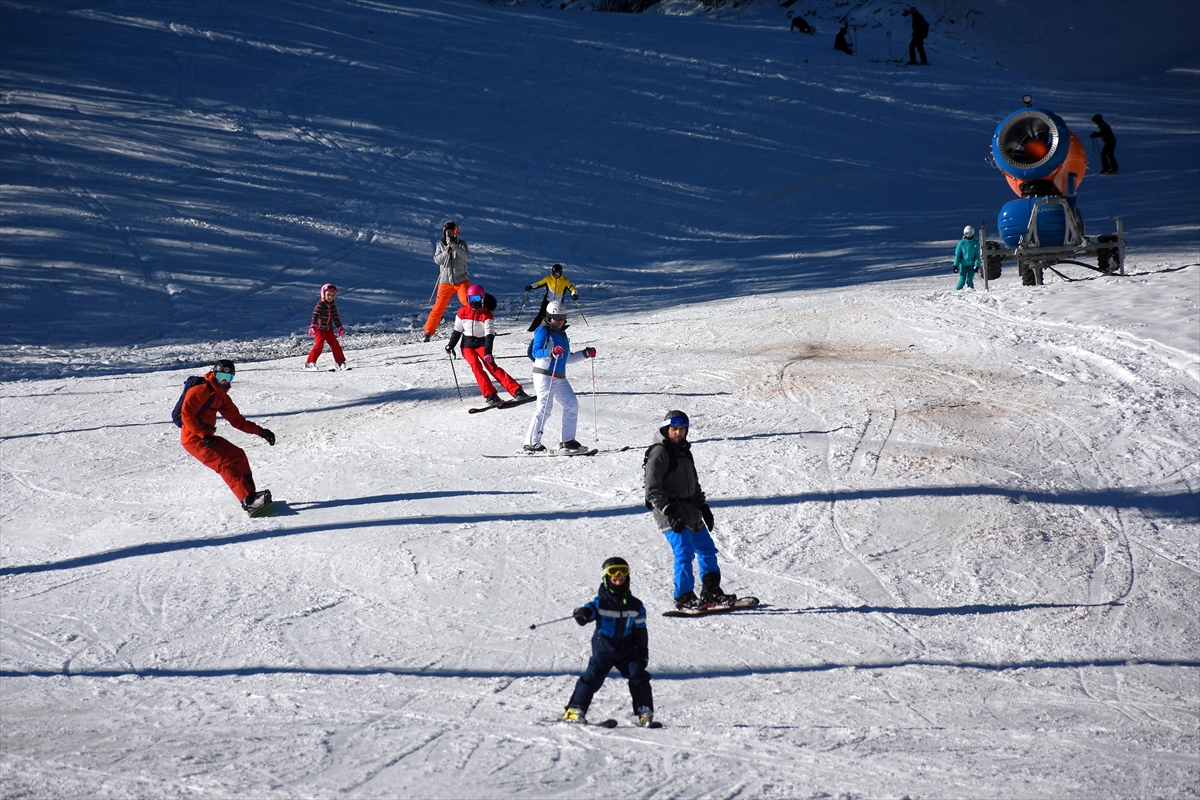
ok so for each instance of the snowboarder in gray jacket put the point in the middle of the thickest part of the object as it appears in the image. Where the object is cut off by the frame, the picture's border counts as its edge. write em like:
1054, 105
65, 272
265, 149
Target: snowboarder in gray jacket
681, 512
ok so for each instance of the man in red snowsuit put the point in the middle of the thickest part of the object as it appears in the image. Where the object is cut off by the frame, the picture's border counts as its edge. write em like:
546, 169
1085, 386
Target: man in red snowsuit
201, 405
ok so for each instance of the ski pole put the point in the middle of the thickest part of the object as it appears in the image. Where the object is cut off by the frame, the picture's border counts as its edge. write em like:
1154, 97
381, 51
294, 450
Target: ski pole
436, 283
521, 308
454, 372
551, 622
585, 322
595, 425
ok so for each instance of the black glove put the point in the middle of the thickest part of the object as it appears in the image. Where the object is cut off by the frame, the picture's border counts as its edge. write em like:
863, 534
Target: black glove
674, 519
574, 295
449, 351
529, 288
582, 615
706, 512
266, 434
208, 441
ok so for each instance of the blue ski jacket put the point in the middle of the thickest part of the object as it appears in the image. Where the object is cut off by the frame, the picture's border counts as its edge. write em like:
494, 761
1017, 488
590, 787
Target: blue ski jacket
621, 621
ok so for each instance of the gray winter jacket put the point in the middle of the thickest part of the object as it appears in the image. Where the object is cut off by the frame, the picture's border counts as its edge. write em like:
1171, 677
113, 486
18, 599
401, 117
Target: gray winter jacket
678, 488
453, 261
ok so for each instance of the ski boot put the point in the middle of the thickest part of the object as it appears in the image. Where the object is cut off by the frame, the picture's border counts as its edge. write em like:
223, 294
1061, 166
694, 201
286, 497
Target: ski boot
535, 448
310, 366
687, 602
519, 394
645, 719
492, 400
256, 500
341, 365
712, 596
569, 446
574, 715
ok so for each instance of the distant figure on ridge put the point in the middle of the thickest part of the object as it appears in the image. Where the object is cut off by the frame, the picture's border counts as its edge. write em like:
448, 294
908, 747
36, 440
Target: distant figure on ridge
840, 42
451, 257
801, 24
1108, 161
920, 29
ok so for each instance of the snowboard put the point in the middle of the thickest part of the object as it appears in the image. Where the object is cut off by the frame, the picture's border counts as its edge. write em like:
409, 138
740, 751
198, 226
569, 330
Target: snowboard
741, 604
607, 723
264, 510
515, 401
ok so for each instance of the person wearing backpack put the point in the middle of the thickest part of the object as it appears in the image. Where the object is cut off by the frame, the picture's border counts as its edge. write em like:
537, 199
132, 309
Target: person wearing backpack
681, 512
202, 400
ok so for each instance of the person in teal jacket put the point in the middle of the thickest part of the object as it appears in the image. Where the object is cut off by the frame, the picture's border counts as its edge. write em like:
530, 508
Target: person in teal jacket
966, 257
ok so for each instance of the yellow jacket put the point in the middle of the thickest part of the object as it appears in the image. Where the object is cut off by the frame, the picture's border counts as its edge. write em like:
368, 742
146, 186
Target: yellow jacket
556, 286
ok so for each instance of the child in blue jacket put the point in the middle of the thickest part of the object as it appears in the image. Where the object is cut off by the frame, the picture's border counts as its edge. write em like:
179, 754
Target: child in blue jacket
619, 641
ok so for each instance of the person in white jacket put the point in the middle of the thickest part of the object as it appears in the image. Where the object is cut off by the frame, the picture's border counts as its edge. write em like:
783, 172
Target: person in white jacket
551, 351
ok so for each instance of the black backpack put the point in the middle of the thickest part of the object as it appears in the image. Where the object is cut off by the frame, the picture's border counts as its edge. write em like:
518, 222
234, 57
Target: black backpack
177, 413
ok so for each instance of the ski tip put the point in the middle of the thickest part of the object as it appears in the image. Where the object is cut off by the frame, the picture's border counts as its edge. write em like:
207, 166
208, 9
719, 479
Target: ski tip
608, 723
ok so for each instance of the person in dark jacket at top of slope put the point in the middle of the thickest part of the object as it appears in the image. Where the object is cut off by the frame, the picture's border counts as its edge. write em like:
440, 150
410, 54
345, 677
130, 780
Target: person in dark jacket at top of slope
920, 30
551, 351
841, 42
325, 328
475, 325
681, 512
1108, 161
620, 641
201, 404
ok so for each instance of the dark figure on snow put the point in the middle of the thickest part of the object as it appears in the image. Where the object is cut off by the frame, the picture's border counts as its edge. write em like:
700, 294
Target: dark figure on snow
840, 42
673, 493
1108, 162
801, 24
619, 642
920, 29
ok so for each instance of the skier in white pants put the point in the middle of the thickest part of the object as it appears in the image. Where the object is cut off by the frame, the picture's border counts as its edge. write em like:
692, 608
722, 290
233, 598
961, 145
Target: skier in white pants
551, 353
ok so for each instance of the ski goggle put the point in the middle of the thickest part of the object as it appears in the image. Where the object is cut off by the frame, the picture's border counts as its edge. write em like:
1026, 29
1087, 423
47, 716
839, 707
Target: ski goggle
475, 299
621, 570
224, 377
677, 422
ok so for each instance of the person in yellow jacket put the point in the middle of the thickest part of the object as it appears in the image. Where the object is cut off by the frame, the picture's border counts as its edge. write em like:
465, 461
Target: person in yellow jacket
557, 287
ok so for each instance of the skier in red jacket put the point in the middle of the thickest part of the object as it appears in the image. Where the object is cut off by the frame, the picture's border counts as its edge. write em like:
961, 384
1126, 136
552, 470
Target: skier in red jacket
475, 326
201, 404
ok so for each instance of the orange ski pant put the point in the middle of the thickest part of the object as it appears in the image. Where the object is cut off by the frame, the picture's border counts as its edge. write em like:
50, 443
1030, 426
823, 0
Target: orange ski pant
227, 460
444, 293
474, 357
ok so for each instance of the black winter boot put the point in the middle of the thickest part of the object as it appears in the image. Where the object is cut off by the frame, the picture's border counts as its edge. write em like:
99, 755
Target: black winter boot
712, 594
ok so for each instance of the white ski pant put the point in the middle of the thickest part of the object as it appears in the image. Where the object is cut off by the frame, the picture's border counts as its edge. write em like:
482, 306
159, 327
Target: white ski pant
547, 394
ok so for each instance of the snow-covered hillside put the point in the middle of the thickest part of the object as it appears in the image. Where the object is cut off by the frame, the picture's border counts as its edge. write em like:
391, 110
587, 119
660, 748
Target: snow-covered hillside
972, 516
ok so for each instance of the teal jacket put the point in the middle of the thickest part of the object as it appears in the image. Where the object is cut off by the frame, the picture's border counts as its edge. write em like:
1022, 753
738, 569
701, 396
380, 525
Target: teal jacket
967, 254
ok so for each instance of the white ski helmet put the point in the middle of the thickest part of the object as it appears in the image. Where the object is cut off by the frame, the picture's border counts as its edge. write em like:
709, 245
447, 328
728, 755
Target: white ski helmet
556, 310
968, 232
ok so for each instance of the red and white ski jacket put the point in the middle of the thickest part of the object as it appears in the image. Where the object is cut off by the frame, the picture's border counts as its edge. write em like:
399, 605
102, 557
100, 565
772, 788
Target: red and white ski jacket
476, 326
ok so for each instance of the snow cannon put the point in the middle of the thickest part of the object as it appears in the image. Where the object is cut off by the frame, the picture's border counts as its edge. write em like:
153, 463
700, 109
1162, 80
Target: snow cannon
1044, 163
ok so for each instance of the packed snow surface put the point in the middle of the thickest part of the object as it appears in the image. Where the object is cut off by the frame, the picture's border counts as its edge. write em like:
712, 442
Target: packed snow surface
971, 516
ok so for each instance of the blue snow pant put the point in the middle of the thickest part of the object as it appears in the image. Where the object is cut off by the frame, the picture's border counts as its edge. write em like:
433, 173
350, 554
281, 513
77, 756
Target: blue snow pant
627, 662
687, 545
965, 275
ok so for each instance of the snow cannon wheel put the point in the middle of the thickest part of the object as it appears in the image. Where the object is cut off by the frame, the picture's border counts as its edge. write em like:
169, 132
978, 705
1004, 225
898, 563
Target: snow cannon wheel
993, 262
1108, 259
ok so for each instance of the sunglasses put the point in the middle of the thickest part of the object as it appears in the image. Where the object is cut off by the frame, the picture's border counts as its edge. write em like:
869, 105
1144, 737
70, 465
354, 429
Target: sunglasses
677, 422
617, 570
224, 377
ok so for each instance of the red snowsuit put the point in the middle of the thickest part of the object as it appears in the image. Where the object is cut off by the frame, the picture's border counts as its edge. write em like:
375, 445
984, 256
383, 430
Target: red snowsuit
476, 328
325, 324
200, 408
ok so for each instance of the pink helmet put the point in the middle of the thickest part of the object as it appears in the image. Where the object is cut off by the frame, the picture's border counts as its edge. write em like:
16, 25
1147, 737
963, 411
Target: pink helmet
326, 288
475, 290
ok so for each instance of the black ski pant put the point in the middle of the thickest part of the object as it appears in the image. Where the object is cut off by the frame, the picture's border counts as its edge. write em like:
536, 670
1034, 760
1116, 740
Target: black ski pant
631, 667
914, 47
1108, 161
541, 314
